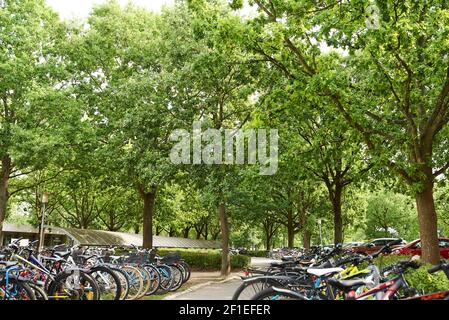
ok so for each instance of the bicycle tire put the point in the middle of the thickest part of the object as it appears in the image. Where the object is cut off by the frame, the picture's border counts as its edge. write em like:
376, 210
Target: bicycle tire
39, 292
81, 279
21, 287
177, 276
166, 279
155, 279
257, 285
187, 269
124, 281
135, 282
146, 282
100, 273
273, 294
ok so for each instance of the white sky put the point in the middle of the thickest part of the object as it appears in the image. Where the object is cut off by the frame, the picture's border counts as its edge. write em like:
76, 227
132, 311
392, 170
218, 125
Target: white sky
69, 9
80, 9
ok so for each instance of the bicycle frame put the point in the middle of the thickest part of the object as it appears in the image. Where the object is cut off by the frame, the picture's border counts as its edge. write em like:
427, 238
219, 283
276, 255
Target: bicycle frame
5, 293
390, 287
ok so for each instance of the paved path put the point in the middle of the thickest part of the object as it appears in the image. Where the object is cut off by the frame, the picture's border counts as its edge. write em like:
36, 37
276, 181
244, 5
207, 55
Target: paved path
215, 288
213, 291
261, 262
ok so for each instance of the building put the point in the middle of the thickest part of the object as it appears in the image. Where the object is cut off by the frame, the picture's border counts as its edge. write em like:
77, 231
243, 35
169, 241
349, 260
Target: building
13, 231
72, 236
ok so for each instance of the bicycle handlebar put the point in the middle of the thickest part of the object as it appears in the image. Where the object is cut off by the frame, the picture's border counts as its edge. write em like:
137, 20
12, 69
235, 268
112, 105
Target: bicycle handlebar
402, 266
441, 266
434, 269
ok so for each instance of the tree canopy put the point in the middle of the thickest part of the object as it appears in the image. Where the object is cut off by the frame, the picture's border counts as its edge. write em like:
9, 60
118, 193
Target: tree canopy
360, 100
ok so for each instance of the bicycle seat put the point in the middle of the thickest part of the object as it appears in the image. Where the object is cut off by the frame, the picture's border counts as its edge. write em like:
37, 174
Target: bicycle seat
63, 254
281, 264
51, 258
347, 285
306, 263
323, 272
288, 258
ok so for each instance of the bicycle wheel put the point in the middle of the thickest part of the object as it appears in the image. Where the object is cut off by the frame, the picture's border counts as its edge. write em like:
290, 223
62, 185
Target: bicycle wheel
183, 272
250, 288
73, 285
38, 291
124, 282
187, 269
108, 282
15, 289
277, 294
155, 279
135, 282
166, 279
146, 282
177, 278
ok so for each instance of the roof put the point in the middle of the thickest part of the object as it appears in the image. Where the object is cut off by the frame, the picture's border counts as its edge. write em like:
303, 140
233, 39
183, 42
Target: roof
15, 228
107, 238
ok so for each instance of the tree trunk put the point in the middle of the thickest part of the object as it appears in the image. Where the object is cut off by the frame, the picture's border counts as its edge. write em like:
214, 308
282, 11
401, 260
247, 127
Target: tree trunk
268, 242
4, 194
338, 220
306, 239
206, 231
148, 207
290, 229
224, 225
428, 224
186, 232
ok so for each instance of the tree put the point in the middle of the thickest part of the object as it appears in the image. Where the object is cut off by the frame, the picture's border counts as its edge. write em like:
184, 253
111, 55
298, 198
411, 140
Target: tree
28, 68
224, 79
127, 72
385, 85
329, 151
390, 215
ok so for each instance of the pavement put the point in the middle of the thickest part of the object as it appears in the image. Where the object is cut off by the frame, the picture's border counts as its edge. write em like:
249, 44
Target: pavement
211, 286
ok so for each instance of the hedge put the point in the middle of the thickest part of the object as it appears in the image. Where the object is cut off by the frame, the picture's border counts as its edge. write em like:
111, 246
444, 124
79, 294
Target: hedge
258, 253
417, 278
207, 260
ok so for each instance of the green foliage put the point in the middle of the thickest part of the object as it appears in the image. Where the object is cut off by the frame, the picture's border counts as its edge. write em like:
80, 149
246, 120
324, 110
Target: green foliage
417, 278
390, 215
207, 260
258, 253
87, 108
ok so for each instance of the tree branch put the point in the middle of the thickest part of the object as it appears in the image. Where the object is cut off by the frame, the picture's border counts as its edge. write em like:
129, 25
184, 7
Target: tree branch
441, 170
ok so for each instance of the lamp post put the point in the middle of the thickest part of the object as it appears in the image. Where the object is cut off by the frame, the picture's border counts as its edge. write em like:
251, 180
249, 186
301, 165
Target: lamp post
42, 231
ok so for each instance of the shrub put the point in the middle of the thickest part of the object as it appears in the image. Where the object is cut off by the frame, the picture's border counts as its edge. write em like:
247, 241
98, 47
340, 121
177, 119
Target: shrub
207, 259
258, 253
417, 278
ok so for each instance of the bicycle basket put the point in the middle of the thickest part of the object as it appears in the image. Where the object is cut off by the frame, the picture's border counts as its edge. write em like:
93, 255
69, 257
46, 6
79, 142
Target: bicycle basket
137, 258
170, 258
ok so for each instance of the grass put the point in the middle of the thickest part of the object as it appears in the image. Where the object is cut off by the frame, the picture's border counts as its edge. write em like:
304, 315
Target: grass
154, 297
184, 287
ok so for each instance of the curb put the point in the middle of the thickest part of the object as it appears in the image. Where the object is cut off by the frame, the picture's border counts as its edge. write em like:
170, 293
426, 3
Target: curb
199, 286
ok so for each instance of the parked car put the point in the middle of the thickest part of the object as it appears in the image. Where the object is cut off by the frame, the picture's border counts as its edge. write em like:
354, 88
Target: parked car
350, 245
414, 248
376, 244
